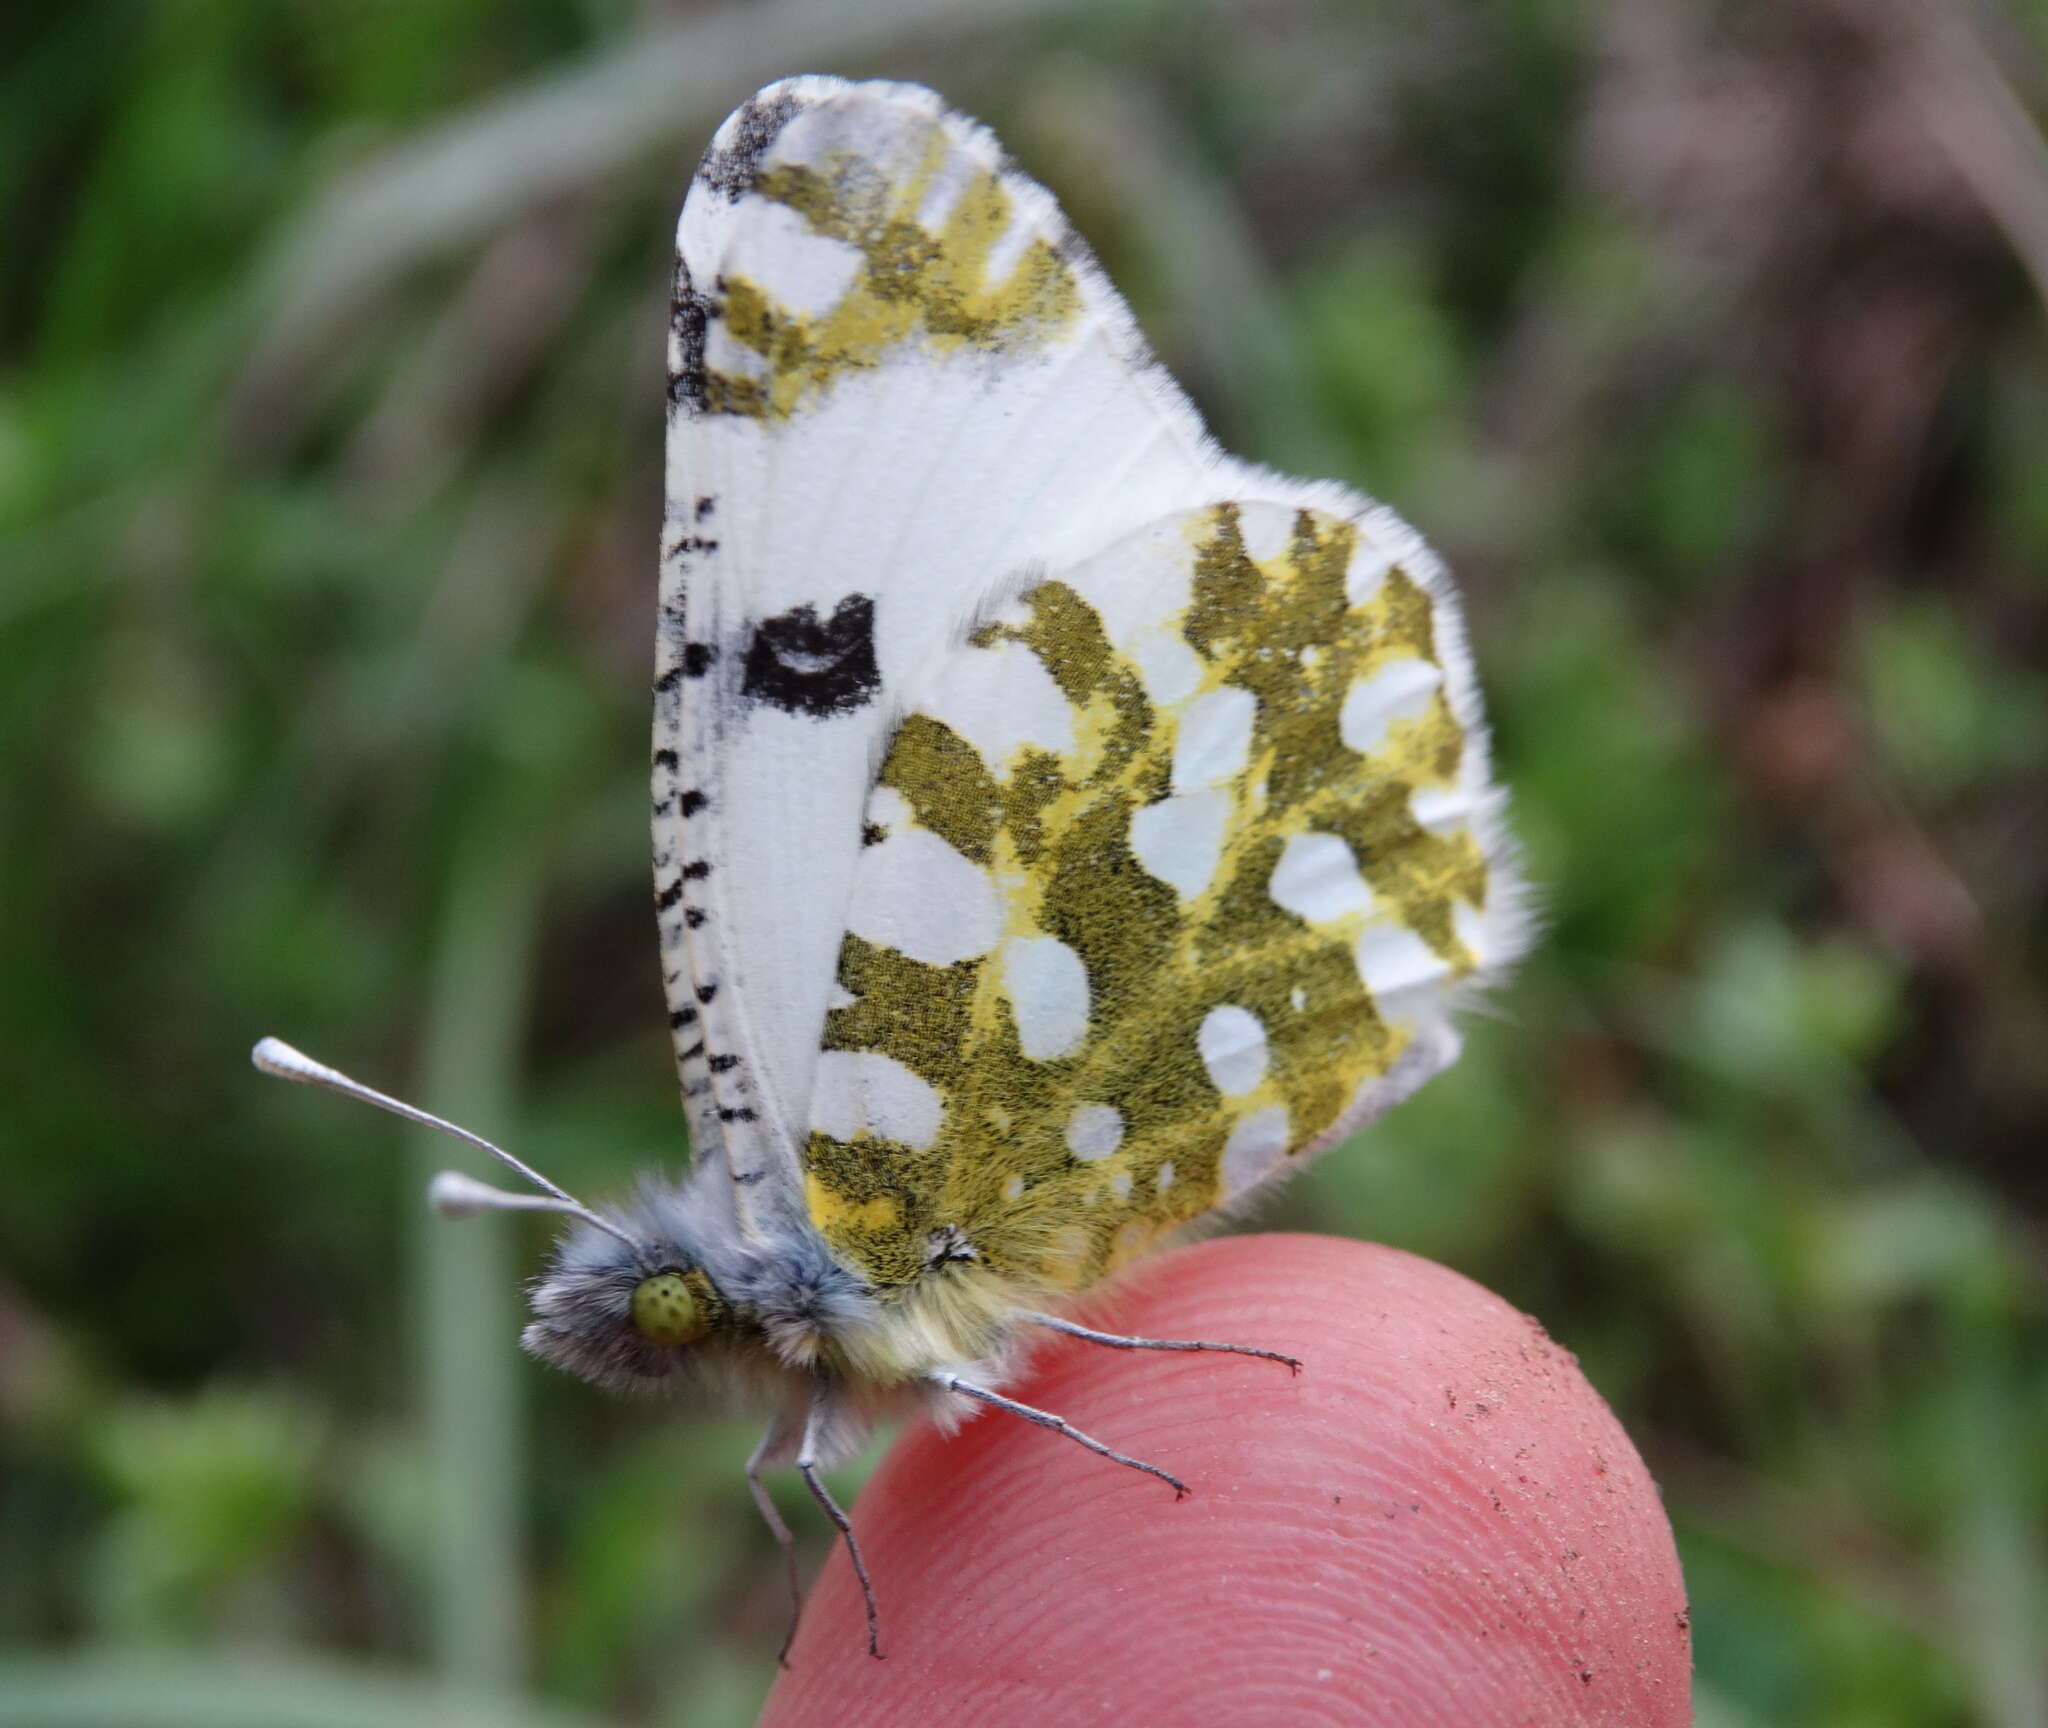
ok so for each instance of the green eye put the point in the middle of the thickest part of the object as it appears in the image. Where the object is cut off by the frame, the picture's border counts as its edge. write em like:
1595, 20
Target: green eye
666, 1312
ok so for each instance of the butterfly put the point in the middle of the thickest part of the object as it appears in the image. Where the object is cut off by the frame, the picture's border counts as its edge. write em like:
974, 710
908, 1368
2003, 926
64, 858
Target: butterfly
1062, 828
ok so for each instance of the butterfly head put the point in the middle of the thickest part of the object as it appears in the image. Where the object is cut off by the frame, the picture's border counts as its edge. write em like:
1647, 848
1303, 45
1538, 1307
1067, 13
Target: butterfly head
628, 1302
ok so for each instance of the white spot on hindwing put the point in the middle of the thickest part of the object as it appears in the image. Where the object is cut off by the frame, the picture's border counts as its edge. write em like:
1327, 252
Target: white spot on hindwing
1267, 529
1000, 699
1368, 570
1094, 1131
925, 900
863, 1091
1392, 959
1440, 808
1172, 670
1180, 839
1399, 691
1048, 990
1213, 741
1318, 878
1233, 1045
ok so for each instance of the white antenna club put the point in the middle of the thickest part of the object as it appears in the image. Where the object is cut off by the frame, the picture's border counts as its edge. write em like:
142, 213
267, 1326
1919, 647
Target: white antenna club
451, 1193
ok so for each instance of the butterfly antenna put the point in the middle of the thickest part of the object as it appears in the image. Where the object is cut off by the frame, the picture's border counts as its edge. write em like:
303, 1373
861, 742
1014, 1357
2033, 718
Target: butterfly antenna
451, 1193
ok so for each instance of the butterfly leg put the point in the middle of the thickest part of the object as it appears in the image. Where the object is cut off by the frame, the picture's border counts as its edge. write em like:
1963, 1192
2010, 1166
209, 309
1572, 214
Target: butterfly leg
774, 1444
1117, 1342
1059, 1425
807, 1468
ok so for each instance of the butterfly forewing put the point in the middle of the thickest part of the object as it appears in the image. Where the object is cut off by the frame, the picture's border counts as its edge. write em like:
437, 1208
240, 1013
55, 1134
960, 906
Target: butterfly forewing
897, 383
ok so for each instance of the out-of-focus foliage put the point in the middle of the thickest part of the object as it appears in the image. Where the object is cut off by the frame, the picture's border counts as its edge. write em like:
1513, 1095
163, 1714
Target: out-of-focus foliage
1705, 339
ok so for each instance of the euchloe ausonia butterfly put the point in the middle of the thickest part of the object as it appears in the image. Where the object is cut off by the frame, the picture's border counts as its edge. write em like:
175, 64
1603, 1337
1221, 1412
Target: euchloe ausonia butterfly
1061, 828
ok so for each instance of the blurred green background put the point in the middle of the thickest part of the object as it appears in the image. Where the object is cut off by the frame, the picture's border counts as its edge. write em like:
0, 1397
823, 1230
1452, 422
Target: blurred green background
1706, 340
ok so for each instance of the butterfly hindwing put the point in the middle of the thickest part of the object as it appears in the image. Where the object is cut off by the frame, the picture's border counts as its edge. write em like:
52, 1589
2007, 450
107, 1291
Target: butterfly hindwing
1172, 875
896, 380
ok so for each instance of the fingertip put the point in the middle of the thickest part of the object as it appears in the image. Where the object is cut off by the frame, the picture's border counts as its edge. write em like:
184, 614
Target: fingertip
1435, 1519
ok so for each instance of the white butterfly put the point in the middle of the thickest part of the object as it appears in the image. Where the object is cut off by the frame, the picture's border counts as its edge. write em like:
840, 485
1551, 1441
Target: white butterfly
1060, 826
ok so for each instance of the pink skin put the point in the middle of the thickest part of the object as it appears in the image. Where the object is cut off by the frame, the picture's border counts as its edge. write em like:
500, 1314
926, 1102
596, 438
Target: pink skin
1439, 1521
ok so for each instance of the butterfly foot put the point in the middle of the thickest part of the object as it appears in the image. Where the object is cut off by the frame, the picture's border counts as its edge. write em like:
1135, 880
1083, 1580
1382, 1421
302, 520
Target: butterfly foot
789, 1637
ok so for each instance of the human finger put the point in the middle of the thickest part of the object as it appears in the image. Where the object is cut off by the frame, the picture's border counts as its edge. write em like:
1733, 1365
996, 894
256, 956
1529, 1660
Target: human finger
1439, 1520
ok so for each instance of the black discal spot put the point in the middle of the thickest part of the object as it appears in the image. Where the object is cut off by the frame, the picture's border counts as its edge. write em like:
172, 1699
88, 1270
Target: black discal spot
668, 680
683, 1017
693, 917
668, 897
667, 759
724, 1064
872, 833
736, 1114
705, 506
697, 870
691, 1054
815, 666
733, 168
706, 991
692, 803
698, 658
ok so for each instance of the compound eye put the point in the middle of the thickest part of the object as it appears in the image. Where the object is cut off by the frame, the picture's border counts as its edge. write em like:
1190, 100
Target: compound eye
665, 1311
